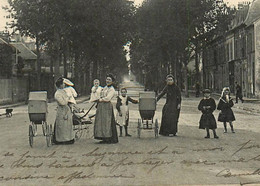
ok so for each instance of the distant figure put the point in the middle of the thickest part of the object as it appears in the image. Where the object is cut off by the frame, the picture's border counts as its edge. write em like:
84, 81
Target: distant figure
171, 109
95, 91
197, 89
207, 121
226, 114
122, 117
239, 93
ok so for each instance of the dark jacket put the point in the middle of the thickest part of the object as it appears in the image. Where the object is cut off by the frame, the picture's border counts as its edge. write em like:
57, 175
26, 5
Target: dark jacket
207, 119
226, 111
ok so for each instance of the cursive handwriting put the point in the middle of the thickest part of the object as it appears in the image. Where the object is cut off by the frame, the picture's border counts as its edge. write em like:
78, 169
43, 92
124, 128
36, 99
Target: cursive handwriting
9, 154
244, 146
203, 150
2, 178
79, 175
227, 173
75, 165
23, 164
205, 162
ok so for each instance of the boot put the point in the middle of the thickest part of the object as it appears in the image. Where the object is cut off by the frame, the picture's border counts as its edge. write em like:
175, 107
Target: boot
225, 127
208, 136
121, 128
231, 126
126, 133
215, 135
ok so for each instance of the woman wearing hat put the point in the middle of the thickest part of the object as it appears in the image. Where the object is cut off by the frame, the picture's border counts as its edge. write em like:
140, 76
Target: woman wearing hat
105, 125
226, 115
63, 127
171, 109
207, 121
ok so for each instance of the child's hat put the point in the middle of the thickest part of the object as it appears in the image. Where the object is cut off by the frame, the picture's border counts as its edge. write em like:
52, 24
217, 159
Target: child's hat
206, 91
68, 82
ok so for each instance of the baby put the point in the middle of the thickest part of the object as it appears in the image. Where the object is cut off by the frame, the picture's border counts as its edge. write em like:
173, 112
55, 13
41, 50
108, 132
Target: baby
71, 93
95, 91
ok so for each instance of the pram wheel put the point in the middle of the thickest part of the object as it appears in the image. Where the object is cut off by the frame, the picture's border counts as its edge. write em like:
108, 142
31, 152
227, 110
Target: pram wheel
139, 128
156, 127
31, 135
44, 128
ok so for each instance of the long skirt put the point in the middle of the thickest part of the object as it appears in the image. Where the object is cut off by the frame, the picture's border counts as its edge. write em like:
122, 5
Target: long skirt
170, 117
105, 124
63, 127
207, 121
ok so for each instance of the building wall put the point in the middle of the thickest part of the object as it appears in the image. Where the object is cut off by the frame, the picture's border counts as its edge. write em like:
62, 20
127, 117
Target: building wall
257, 57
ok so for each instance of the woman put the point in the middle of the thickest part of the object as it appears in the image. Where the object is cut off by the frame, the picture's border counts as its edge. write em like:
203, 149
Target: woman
226, 114
105, 125
63, 127
171, 109
207, 120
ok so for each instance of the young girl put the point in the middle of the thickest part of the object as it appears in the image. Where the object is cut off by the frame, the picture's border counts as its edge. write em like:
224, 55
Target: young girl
207, 121
226, 114
95, 91
122, 117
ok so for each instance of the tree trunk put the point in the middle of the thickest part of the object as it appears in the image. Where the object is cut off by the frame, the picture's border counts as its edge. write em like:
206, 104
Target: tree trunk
38, 64
197, 75
186, 80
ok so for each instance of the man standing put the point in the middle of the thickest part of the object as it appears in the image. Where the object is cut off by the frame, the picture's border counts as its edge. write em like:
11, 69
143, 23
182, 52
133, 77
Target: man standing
239, 93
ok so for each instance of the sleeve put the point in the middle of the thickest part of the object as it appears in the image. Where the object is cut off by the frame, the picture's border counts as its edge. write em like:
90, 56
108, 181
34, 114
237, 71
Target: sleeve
200, 106
178, 95
164, 91
61, 99
132, 100
213, 105
110, 95
231, 103
74, 93
219, 107
118, 103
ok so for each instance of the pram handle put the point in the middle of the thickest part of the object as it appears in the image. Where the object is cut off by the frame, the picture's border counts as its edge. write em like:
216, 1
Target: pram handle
88, 111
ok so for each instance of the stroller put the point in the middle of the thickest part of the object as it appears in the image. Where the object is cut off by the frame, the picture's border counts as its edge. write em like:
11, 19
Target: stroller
37, 109
147, 107
81, 120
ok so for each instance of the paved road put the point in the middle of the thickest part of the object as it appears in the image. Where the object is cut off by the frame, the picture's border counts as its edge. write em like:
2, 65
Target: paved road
185, 159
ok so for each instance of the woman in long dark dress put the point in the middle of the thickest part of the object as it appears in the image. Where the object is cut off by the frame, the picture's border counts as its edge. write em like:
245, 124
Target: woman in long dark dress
105, 124
207, 121
226, 115
171, 109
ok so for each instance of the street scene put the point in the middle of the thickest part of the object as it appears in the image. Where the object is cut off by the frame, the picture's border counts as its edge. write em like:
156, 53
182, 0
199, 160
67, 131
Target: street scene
129, 92
188, 158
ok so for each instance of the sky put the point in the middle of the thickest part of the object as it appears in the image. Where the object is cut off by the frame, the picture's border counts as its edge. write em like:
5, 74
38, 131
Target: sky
137, 2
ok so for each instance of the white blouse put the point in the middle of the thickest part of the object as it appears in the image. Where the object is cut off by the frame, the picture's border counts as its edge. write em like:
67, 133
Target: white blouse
61, 97
108, 93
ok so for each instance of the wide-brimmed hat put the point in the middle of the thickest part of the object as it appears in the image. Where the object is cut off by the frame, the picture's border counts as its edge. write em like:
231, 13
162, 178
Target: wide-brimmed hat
206, 91
68, 82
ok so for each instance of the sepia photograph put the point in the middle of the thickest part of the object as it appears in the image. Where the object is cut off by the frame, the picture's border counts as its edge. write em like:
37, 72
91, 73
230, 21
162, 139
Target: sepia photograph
129, 92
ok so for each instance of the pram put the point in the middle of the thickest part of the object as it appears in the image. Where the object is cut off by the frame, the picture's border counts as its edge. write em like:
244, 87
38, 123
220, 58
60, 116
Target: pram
81, 120
37, 109
147, 107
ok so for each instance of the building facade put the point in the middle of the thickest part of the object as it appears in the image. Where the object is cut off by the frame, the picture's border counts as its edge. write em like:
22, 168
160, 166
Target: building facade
235, 55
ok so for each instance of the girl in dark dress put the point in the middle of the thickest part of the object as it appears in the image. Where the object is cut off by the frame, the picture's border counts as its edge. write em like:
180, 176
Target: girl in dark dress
171, 109
105, 124
207, 121
226, 115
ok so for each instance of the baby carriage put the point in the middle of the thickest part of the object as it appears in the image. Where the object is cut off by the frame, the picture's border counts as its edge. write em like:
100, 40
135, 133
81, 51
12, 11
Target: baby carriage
147, 107
37, 109
81, 120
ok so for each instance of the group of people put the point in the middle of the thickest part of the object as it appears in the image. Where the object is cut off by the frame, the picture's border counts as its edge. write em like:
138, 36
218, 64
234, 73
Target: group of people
105, 121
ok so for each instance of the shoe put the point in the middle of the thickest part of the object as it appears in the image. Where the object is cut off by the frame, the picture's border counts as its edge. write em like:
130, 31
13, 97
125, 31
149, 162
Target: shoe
207, 137
128, 135
233, 131
171, 135
225, 131
216, 137
120, 135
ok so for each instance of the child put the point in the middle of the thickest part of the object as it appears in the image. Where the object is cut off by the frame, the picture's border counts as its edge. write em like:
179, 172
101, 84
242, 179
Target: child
207, 121
71, 93
226, 114
122, 117
95, 91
